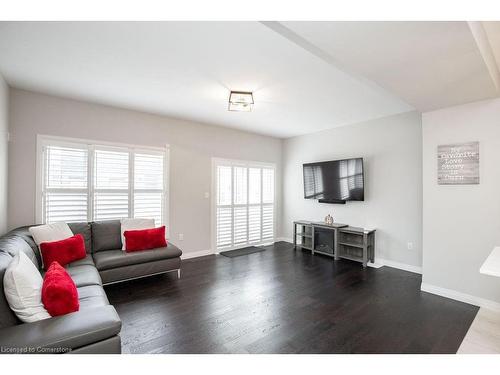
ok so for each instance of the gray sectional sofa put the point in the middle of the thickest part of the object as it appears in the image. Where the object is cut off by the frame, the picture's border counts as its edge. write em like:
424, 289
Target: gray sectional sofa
96, 326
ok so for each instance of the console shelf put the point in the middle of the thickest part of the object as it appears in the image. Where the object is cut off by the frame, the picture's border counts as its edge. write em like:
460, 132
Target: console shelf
335, 240
351, 244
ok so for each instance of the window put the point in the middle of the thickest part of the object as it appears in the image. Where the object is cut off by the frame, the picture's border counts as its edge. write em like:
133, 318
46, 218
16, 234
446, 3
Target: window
80, 181
244, 204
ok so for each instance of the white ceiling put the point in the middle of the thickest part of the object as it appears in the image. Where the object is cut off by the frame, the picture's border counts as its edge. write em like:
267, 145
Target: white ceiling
430, 65
306, 76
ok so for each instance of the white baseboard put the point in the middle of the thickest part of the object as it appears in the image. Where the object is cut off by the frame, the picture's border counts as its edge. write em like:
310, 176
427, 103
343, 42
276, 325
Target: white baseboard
459, 296
379, 261
401, 266
196, 254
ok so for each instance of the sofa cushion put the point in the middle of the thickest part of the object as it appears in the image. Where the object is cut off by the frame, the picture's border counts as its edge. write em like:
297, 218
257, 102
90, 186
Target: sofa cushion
87, 261
134, 224
119, 258
85, 230
84, 275
23, 233
12, 243
50, 232
16, 240
83, 272
7, 316
134, 271
91, 296
106, 235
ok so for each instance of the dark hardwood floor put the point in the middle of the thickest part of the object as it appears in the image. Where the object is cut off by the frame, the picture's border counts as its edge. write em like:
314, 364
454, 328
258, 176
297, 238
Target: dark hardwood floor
286, 301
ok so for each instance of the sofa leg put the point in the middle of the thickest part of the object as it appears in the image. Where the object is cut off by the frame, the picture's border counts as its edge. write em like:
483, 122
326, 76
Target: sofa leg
179, 273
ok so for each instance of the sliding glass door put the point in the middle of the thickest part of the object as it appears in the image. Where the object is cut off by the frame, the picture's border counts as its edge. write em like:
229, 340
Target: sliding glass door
243, 204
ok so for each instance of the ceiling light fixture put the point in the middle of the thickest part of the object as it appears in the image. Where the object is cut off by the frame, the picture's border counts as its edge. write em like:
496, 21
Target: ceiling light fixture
241, 101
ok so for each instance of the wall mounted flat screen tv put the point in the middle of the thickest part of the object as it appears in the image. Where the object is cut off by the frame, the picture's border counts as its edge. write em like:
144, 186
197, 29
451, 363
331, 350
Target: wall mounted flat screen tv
335, 181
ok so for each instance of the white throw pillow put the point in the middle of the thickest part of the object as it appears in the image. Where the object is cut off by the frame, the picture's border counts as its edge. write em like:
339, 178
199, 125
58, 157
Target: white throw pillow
135, 224
22, 284
50, 232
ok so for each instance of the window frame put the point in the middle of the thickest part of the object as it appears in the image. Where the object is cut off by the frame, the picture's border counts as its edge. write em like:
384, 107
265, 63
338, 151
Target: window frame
213, 214
90, 145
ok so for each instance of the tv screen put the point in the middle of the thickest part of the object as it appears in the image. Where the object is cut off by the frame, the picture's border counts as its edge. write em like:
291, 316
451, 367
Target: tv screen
334, 181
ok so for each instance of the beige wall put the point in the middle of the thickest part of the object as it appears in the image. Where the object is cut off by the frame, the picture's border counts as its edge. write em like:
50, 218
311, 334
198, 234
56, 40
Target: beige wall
461, 222
192, 146
391, 148
4, 130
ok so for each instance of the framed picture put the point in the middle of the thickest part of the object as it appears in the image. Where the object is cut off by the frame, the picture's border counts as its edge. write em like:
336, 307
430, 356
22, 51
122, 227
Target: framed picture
458, 164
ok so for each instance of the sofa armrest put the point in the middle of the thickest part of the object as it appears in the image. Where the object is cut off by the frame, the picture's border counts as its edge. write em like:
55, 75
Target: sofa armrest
62, 333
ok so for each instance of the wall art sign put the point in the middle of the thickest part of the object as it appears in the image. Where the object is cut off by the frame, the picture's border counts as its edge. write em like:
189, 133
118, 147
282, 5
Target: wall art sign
458, 164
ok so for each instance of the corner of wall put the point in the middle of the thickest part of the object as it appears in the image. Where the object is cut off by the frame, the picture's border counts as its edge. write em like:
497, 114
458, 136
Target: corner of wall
4, 139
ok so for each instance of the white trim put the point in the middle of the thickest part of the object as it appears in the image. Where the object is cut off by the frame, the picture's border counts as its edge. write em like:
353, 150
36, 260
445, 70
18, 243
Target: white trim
131, 185
79, 141
243, 163
379, 262
90, 186
40, 157
265, 242
374, 265
459, 296
166, 188
213, 203
196, 254
401, 266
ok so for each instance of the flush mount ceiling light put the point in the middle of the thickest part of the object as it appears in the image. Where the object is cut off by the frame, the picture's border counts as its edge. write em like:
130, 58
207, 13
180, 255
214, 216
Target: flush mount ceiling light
241, 101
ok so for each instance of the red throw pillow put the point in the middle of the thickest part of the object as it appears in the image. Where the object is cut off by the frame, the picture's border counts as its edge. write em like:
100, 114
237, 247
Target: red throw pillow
136, 240
64, 251
59, 294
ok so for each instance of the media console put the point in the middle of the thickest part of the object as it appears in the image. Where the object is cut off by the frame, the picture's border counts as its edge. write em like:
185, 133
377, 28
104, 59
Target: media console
335, 240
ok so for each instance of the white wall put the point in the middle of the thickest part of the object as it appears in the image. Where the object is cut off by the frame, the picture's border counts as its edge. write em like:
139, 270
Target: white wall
192, 146
4, 130
391, 148
462, 222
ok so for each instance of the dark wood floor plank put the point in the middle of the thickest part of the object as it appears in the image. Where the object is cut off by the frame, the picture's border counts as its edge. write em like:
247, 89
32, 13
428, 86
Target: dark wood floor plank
286, 301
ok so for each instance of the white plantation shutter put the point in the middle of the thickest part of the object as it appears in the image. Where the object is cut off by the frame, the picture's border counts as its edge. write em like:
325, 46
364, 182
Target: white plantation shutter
83, 182
224, 186
67, 207
254, 224
244, 204
224, 227
224, 211
267, 185
240, 205
65, 184
267, 222
267, 203
240, 185
254, 208
240, 225
111, 180
148, 186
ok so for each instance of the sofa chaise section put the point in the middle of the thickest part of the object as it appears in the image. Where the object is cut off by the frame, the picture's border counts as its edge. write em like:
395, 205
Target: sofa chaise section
115, 265
96, 326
